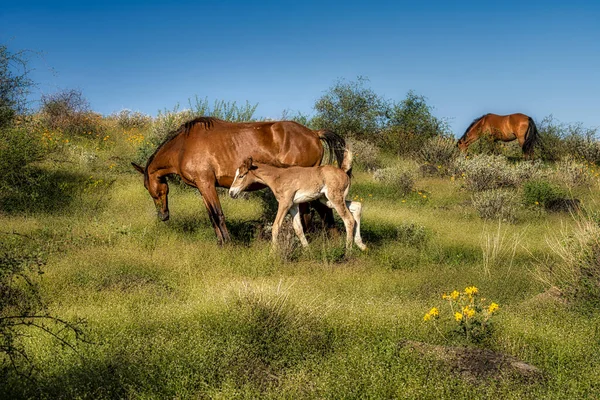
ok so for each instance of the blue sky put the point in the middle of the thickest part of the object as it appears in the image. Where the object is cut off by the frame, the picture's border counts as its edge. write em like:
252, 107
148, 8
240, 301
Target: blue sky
467, 58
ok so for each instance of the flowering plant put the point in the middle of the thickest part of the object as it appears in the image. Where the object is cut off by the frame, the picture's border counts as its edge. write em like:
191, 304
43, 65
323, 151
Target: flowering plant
471, 313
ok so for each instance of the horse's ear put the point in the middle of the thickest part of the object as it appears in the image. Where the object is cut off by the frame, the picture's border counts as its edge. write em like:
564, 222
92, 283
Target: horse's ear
138, 168
248, 163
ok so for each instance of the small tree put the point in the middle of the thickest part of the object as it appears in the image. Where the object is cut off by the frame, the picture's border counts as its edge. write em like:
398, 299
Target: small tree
15, 85
69, 112
351, 109
411, 124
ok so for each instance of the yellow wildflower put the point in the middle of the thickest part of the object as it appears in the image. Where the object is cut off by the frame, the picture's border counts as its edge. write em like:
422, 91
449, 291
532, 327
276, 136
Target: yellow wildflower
426, 317
434, 312
454, 294
493, 308
458, 316
424, 196
468, 311
471, 290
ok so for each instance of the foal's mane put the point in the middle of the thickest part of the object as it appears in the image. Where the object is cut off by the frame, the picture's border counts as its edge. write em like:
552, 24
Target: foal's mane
476, 120
185, 128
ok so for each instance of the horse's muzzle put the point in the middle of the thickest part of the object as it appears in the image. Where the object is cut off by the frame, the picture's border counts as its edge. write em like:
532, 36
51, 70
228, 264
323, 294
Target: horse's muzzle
164, 216
234, 193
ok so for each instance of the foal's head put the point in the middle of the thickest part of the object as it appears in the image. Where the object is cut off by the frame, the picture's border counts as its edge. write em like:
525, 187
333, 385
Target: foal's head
243, 178
158, 189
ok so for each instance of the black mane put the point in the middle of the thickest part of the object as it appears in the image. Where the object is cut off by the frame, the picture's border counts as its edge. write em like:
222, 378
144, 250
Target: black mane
476, 120
185, 128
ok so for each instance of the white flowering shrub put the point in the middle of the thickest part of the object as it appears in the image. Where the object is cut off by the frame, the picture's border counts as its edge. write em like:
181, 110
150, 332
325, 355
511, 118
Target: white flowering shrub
485, 172
401, 179
496, 204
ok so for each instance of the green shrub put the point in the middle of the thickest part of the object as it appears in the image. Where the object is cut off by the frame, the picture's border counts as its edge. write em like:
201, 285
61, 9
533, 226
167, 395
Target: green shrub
411, 124
401, 179
351, 109
541, 192
496, 204
19, 148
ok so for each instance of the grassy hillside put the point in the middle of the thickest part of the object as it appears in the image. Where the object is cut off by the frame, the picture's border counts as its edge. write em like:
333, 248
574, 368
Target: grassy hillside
169, 314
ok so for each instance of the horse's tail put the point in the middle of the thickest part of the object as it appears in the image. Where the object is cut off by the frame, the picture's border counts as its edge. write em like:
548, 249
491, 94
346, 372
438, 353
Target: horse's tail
336, 145
532, 136
346, 164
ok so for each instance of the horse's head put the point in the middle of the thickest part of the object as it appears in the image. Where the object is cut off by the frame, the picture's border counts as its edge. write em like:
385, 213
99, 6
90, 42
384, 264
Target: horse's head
243, 178
158, 189
462, 144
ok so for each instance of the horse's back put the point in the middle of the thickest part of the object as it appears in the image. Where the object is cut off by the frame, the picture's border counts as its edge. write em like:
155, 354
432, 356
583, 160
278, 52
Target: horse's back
221, 147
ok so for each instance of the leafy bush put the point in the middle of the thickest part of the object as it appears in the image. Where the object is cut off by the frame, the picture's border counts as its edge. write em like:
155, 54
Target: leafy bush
400, 179
541, 192
366, 155
412, 234
485, 172
22, 309
439, 151
496, 204
351, 109
19, 148
411, 124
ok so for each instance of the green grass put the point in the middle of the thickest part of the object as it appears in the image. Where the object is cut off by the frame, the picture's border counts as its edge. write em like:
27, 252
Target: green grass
172, 315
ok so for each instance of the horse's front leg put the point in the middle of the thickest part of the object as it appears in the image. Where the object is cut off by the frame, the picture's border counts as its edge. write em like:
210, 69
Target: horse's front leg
215, 212
284, 207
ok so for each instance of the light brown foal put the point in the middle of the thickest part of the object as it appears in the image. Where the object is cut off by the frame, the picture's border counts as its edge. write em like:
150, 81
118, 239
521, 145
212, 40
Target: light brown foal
295, 185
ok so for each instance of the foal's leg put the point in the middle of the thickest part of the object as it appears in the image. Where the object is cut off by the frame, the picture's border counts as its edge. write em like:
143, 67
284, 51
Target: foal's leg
282, 211
355, 209
339, 204
297, 223
215, 212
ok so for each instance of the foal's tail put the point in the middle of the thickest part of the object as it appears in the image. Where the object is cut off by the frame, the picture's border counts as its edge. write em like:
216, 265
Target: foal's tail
532, 136
346, 164
336, 145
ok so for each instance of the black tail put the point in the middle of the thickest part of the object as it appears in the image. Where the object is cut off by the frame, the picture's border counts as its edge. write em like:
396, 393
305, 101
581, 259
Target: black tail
336, 145
531, 138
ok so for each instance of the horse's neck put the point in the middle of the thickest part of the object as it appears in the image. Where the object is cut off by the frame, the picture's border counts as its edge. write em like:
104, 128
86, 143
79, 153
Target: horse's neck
268, 174
165, 160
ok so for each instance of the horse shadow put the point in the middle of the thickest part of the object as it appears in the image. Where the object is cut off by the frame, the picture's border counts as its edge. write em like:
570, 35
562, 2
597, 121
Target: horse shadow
41, 191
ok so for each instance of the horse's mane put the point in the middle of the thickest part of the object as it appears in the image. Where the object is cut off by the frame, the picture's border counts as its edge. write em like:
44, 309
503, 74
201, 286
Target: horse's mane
476, 120
185, 128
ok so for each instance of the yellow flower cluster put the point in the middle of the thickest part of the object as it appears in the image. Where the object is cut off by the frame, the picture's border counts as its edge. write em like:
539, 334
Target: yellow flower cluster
471, 290
133, 136
433, 313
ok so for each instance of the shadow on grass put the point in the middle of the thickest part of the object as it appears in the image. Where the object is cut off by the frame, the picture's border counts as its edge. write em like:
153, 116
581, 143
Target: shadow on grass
41, 191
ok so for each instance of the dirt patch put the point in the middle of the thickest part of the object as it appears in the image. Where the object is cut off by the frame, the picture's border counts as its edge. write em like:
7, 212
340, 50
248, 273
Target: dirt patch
477, 365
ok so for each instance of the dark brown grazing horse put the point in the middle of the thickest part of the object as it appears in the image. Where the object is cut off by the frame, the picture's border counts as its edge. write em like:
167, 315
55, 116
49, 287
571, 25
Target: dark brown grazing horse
205, 152
505, 128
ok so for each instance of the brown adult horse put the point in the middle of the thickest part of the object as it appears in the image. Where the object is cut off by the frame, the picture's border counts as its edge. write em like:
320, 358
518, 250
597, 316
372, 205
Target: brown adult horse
206, 152
505, 128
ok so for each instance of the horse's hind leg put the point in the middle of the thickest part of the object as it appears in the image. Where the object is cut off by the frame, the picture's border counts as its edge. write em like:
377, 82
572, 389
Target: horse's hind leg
215, 212
339, 204
297, 223
355, 208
